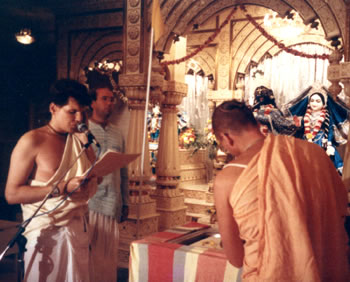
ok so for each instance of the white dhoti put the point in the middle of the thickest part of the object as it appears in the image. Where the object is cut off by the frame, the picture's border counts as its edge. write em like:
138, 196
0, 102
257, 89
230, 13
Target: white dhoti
104, 234
59, 254
57, 246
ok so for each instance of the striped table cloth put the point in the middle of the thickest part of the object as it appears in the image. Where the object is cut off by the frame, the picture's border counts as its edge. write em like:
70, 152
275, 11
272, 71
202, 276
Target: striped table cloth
154, 259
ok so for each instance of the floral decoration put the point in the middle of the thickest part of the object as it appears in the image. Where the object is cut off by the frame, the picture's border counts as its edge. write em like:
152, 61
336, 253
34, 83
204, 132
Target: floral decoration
189, 138
280, 44
257, 26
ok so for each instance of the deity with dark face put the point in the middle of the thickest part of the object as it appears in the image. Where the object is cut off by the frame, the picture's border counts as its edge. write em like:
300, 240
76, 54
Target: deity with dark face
268, 115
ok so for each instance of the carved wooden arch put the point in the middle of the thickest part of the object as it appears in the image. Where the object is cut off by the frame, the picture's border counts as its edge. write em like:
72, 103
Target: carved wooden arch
96, 46
179, 19
244, 57
205, 62
332, 15
249, 45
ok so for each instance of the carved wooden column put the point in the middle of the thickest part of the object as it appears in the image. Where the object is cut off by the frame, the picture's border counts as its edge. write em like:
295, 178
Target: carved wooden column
344, 75
170, 201
345, 67
136, 105
143, 218
345, 79
333, 74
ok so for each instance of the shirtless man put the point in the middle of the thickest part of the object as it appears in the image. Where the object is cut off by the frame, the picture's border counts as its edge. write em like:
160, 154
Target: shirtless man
39, 166
280, 203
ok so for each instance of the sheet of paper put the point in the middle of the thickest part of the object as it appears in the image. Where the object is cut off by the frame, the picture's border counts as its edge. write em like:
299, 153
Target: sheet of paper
110, 161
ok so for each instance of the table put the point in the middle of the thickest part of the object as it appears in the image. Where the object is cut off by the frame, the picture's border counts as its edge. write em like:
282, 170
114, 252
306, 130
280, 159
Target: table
164, 257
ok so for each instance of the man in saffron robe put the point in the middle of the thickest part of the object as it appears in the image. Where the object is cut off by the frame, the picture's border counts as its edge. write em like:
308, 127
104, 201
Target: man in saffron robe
280, 203
48, 163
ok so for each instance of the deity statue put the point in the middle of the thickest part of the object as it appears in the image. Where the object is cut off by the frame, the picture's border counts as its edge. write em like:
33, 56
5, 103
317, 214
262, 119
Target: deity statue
269, 116
323, 121
154, 119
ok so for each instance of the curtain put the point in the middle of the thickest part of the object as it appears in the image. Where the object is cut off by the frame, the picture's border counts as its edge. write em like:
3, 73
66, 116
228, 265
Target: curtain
288, 75
195, 104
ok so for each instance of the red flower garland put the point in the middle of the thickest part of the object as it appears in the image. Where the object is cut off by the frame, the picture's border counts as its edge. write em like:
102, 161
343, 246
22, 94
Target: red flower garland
206, 43
280, 44
307, 130
257, 26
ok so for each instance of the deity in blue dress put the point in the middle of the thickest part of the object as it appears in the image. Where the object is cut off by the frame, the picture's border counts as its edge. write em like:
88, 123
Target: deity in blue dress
323, 121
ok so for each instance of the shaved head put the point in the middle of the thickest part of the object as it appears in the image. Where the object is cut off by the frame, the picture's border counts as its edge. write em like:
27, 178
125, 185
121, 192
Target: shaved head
233, 116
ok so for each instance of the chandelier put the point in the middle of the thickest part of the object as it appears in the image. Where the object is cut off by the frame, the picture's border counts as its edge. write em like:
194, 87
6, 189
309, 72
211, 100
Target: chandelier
287, 27
24, 36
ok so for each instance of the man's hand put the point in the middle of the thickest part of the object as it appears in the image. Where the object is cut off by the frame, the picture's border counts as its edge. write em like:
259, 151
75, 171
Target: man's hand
77, 184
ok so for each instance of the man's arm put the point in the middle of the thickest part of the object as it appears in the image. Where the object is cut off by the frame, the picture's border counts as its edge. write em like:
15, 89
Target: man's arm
232, 243
22, 165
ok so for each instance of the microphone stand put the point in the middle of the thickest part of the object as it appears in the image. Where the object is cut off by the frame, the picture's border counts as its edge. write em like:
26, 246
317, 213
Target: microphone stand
19, 238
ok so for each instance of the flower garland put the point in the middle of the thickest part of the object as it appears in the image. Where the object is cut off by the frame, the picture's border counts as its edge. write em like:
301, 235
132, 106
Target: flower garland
206, 43
187, 137
264, 129
307, 124
280, 44
257, 26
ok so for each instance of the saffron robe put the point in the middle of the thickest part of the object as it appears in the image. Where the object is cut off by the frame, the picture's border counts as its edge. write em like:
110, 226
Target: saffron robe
290, 206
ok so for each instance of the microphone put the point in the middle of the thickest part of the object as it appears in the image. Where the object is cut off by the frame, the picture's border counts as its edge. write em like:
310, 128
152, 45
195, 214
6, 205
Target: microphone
82, 127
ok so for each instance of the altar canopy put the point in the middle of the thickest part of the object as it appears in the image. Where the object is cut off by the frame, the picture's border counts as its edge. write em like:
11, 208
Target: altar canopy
288, 75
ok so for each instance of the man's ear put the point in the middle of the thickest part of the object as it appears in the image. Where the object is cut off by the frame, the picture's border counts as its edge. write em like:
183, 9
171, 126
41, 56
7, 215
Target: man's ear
52, 108
92, 105
228, 138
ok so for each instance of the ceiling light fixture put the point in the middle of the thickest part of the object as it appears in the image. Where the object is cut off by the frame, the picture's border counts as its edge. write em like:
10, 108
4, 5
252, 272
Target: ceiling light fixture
290, 26
25, 36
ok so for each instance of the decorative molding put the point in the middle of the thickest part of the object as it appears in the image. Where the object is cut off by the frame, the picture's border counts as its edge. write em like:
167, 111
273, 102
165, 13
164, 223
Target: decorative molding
133, 49
133, 16
133, 80
133, 32
134, 3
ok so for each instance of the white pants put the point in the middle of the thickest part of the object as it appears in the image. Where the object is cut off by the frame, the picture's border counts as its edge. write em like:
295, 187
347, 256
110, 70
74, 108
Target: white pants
104, 240
59, 254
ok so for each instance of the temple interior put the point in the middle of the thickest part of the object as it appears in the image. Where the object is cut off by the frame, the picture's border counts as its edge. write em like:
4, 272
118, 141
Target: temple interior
207, 52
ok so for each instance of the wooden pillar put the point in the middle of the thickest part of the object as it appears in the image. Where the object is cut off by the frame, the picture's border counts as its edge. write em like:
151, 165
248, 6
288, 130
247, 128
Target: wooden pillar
143, 218
333, 74
345, 79
170, 201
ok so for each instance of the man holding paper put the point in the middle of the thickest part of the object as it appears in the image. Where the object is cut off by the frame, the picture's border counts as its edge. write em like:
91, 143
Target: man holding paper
46, 175
109, 206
